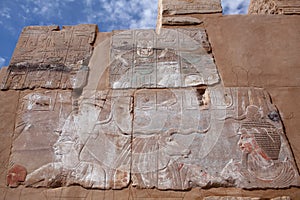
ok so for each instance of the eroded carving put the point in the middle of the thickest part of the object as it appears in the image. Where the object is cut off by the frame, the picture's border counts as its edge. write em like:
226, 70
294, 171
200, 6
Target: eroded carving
49, 45
47, 57
93, 146
177, 145
174, 58
54, 76
165, 122
163, 138
286, 7
16, 175
261, 162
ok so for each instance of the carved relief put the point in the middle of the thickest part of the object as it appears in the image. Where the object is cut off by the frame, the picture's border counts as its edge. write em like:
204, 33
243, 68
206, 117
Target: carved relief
174, 58
286, 7
26, 76
44, 55
166, 122
173, 132
163, 138
92, 151
48, 44
265, 156
38, 126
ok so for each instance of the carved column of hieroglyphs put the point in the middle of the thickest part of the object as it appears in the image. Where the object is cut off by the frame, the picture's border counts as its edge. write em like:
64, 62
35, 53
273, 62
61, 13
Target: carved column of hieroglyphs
50, 58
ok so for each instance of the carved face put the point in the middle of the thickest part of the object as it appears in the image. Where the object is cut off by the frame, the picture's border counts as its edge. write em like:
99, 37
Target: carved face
247, 142
63, 147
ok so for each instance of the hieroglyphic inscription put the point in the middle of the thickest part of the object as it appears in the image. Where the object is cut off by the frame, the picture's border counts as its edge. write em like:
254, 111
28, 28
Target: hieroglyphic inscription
48, 44
176, 143
163, 138
50, 58
174, 58
58, 76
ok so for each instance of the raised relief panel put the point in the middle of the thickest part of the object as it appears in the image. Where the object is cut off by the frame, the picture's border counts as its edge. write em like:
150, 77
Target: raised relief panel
172, 59
38, 126
29, 76
162, 138
107, 136
88, 146
49, 45
172, 7
166, 122
178, 136
265, 159
46, 57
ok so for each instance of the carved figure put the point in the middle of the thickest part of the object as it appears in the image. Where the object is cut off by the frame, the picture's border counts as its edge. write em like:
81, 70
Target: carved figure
68, 169
260, 164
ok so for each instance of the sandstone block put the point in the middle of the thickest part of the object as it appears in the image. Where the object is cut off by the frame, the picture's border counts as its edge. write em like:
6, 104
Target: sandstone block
173, 58
181, 21
286, 7
172, 7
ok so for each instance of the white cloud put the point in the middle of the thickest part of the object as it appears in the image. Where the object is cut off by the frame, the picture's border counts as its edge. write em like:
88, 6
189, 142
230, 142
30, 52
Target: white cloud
5, 12
2, 61
46, 9
235, 6
121, 14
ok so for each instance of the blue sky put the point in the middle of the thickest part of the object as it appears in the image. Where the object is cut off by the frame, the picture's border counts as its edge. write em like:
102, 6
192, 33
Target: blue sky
108, 14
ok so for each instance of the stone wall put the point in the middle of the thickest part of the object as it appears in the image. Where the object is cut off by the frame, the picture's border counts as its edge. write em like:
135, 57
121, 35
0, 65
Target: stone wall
198, 111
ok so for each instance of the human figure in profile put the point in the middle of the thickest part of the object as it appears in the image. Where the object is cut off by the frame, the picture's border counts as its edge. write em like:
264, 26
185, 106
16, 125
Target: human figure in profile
261, 163
68, 169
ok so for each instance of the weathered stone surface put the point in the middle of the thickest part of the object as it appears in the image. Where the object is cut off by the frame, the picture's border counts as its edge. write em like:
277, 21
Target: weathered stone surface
163, 138
174, 7
16, 175
51, 58
286, 99
82, 143
38, 126
163, 159
171, 137
242, 198
188, 13
281, 198
230, 198
77, 192
181, 21
258, 52
174, 58
50, 45
8, 108
286, 7
54, 76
